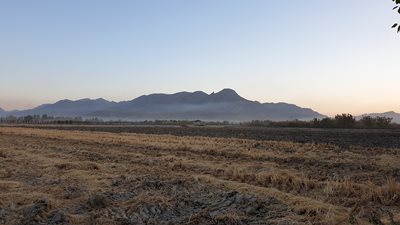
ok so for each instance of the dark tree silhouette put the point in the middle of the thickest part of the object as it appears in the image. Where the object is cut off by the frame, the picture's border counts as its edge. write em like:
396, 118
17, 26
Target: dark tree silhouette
345, 121
397, 8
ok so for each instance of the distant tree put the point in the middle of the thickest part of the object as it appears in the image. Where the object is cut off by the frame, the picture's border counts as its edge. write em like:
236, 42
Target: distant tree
11, 119
45, 117
397, 8
383, 122
28, 119
345, 121
367, 122
375, 122
326, 123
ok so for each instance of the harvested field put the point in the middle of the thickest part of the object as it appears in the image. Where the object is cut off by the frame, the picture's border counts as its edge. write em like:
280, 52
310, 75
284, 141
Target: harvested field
365, 138
50, 176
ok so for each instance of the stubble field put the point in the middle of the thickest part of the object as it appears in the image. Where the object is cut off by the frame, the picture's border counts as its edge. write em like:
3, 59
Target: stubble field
55, 176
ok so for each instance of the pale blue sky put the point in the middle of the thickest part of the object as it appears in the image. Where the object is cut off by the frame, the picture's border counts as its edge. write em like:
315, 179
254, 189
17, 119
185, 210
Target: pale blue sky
333, 56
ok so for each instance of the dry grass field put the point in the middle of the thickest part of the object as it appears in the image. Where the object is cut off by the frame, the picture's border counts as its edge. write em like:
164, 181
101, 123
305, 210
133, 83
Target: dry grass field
89, 177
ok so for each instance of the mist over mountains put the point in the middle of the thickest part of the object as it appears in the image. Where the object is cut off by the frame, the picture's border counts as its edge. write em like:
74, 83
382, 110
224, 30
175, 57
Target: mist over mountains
225, 105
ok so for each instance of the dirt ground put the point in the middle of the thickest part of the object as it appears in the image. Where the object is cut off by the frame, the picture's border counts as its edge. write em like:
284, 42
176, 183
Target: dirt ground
91, 177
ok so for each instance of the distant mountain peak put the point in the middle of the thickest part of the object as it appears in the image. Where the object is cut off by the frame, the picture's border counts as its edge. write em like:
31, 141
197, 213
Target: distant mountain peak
84, 100
227, 95
227, 91
381, 114
64, 100
391, 114
92, 100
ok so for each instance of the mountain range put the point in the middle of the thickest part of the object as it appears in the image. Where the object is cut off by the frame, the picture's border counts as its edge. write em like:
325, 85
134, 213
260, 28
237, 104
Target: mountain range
225, 105
395, 116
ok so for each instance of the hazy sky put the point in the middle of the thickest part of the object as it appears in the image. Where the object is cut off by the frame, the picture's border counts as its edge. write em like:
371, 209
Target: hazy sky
333, 56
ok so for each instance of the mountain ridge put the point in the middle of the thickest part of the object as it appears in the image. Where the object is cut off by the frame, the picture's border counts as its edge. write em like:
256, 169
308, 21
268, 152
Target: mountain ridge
226, 104
67, 107
223, 105
390, 114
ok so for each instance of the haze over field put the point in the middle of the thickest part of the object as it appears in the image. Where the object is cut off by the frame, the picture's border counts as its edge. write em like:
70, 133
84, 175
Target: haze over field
340, 57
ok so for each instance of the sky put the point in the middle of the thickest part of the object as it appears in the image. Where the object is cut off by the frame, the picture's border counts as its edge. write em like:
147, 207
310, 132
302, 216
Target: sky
334, 57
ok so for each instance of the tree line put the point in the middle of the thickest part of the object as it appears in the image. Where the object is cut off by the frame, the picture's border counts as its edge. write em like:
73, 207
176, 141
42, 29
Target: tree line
339, 121
46, 119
